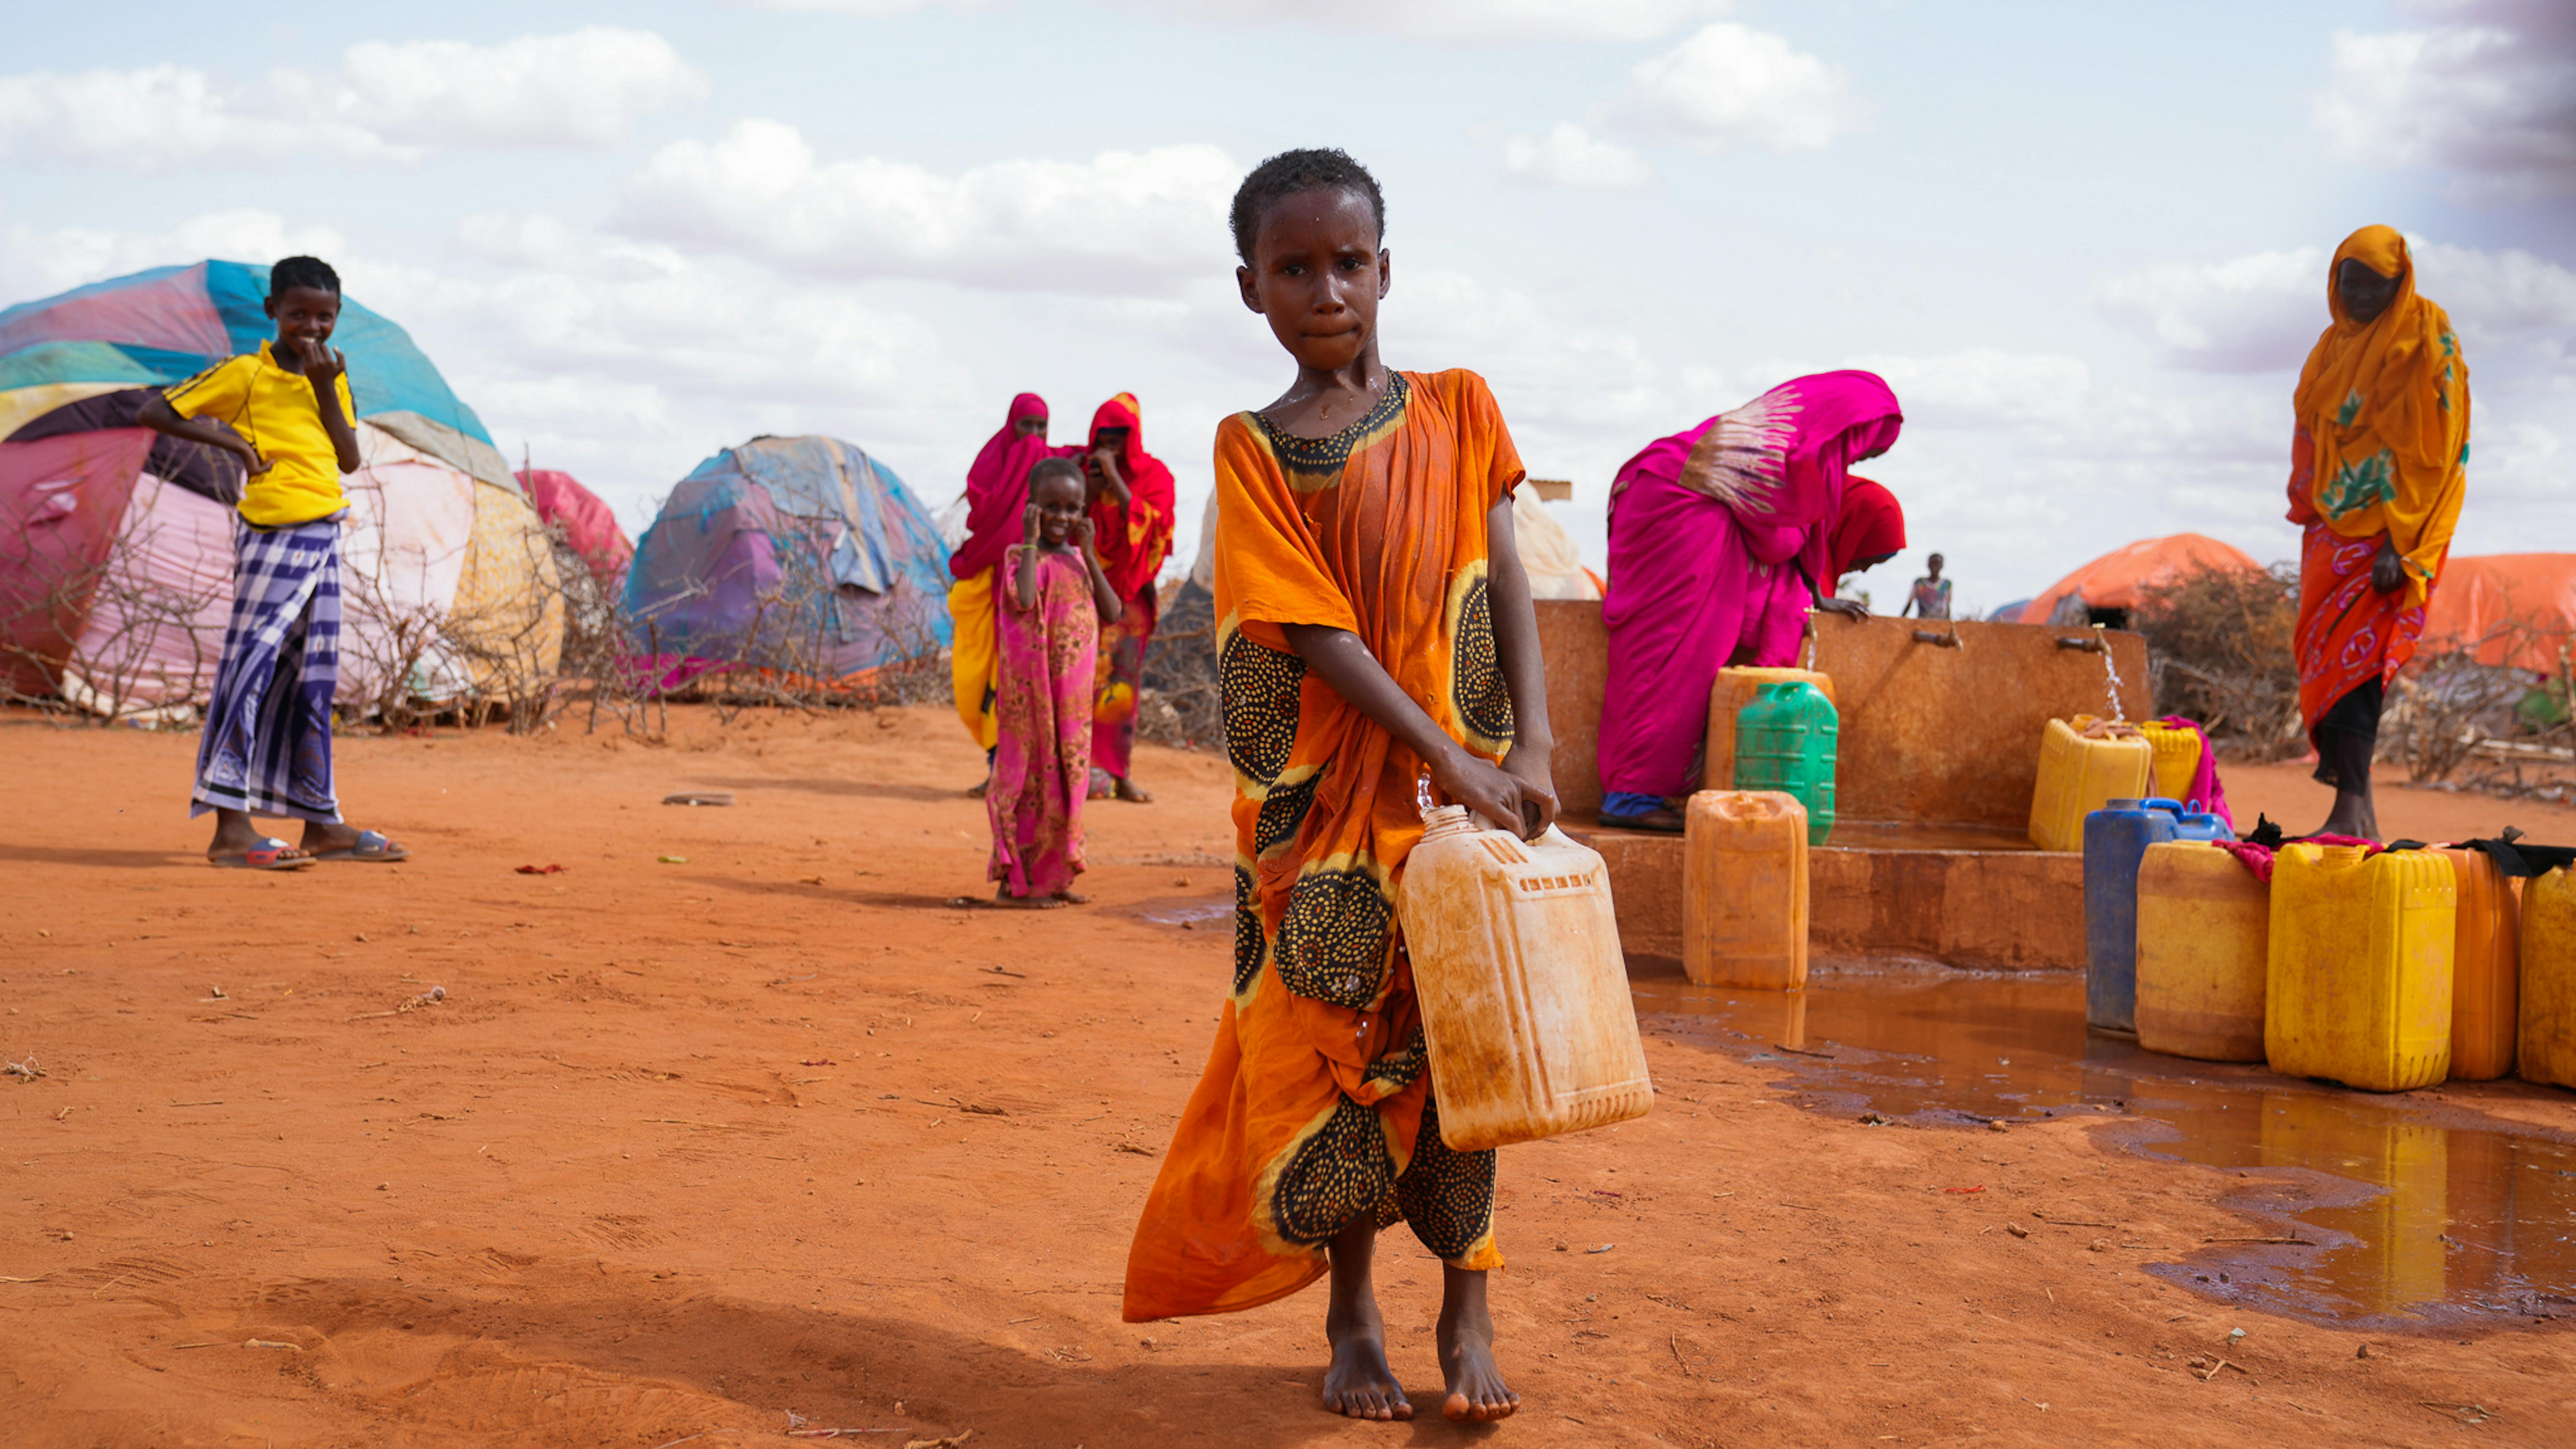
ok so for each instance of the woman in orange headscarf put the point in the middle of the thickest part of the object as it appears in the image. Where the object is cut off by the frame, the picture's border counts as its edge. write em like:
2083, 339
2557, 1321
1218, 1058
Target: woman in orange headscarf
2377, 470
1132, 508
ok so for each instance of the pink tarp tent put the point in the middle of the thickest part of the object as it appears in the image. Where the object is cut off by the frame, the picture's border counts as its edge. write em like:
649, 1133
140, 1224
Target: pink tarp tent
588, 525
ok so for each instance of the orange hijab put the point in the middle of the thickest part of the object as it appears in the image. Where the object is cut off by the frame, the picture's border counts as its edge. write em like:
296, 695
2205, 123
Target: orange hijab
2385, 411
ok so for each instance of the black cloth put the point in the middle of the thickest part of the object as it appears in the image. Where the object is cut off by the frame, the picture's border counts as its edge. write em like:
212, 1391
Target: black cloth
2347, 734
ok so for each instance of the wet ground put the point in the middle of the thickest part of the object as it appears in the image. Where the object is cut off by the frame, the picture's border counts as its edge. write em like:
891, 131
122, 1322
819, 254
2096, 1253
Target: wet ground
2403, 1210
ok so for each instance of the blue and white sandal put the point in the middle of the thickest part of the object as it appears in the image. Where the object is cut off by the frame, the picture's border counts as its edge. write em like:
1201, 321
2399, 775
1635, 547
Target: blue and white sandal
373, 846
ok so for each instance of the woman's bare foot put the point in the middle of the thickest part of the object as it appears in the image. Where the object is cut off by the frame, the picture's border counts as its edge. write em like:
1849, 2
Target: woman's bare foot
1359, 1384
1127, 790
1477, 1393
1073, 898
1002, 897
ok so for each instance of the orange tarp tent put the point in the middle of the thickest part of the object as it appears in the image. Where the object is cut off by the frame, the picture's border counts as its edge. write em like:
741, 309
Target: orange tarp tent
2519, 609
2114, 580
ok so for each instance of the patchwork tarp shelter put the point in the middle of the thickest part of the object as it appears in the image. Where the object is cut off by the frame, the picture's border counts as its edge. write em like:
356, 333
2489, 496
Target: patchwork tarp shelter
2116, 579
588, 526
116, 543
800, 555
2517, 610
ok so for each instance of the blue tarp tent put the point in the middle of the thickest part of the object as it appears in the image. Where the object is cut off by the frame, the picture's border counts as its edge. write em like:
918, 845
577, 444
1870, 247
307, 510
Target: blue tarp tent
802, 555
153, 328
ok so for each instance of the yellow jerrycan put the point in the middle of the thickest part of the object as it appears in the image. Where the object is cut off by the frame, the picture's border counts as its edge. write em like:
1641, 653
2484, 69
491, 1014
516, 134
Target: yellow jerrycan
1734, 690
2177, 759
2486, 967
1524, 992
1744, 889
2084, 764
2359, 985
2204, 942
2548, 1036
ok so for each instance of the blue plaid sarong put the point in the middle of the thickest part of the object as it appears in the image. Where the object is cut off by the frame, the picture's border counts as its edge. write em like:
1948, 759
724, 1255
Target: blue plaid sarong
267, 747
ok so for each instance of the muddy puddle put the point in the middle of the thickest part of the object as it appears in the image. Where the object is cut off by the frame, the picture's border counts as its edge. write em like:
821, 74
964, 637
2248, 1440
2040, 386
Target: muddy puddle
2406, 1211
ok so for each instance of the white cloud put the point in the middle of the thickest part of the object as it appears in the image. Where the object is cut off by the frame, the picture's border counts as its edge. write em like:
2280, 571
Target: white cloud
1570, 156
165, 116
868, 9
390, 103
1122, 223
1730, 86
2262, 312
1452, 22
37, 263
587, 88
2490, 97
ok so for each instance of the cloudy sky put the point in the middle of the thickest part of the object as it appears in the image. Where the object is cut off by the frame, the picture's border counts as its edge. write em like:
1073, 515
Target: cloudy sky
2086, 244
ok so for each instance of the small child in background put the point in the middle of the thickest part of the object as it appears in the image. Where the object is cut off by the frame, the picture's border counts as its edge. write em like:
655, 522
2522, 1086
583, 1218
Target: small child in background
1049, 641
1931, 596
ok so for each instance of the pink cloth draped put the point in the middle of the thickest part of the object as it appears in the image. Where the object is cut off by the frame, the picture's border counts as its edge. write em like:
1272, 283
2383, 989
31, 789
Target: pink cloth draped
2205, 787
1714, 555
1042, 715
997, 489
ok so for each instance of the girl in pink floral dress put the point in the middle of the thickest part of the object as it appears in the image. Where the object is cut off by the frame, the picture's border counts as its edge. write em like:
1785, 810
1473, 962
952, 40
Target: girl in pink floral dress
1049, 626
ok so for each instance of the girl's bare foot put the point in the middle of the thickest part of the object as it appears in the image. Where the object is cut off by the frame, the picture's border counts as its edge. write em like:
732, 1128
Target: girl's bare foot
1073, 898
1002, 897
1477, 1393
1358, 1383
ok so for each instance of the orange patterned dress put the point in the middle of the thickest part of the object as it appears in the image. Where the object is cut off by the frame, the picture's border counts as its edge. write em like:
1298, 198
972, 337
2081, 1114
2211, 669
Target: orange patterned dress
1315, 1106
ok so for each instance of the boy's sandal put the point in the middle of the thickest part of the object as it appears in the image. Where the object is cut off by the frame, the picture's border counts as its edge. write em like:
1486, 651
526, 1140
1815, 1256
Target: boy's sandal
270, 854
372, 846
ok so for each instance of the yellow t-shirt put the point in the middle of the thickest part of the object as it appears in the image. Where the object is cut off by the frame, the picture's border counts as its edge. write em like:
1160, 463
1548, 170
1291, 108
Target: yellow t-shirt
273, 410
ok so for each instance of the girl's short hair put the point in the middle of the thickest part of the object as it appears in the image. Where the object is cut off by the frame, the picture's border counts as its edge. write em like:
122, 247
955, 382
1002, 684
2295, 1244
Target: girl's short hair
1290, 172
1054, 468
296, 272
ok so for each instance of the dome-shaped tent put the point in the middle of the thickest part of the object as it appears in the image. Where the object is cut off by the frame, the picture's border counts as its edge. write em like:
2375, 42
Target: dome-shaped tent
800, 555
2112, 583
115, 580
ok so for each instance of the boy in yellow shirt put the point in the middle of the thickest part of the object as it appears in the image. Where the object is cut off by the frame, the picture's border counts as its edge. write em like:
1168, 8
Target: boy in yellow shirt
267, 747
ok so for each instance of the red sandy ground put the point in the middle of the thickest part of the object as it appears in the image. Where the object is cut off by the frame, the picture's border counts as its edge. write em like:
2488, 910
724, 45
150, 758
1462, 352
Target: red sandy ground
691, 1145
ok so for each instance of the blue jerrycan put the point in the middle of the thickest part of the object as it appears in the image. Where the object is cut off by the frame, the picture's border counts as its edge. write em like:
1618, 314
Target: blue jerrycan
2116, 838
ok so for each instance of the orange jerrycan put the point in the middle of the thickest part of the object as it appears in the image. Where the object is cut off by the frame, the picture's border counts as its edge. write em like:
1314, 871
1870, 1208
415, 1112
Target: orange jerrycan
2079, 773
1744, 889
2177, 759
2358, 989
2548, 1036
1523, 989
1734, 690
2204, 942
2486, 967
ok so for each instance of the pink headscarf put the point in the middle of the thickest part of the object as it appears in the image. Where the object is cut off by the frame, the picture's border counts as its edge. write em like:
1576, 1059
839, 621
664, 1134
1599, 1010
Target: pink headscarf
997, 489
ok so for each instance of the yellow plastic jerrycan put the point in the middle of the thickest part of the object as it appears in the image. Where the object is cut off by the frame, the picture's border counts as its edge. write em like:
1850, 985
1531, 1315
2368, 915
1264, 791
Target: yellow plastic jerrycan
1744, 889
2204, 942
1523, 989
2548, 1036
1734, 690
2177, 759
2359, 985
2486, 967
2083, 765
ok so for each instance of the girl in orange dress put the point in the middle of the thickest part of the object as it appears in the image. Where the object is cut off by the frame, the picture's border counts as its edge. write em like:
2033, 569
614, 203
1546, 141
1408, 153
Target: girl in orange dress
1374, 628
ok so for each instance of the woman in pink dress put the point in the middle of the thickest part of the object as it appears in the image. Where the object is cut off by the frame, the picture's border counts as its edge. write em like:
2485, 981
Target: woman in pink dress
1721, 541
